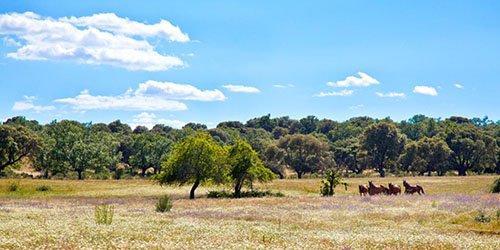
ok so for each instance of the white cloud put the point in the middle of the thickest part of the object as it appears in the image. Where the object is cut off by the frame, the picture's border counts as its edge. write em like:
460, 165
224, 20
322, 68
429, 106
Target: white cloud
241, 88
176, 91
425, 90
149, 96
336, 93
117, 25
45, 38
359, 106
363, 81
391, 94
27, 104
150, 119
9, 41
282, 86
457, 85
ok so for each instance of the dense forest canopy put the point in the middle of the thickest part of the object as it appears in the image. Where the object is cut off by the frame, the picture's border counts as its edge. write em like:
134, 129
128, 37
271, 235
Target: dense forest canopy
420, 145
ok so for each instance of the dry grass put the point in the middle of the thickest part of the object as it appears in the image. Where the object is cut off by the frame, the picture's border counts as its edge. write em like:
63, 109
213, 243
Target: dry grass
63, 218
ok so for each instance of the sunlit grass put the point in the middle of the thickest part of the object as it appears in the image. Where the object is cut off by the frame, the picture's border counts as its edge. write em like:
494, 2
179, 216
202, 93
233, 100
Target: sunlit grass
63, 218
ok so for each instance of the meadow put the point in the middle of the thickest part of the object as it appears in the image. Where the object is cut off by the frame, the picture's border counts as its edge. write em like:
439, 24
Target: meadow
455, 213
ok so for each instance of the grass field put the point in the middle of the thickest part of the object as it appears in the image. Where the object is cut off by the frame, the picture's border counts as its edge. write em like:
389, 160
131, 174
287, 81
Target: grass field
63, 218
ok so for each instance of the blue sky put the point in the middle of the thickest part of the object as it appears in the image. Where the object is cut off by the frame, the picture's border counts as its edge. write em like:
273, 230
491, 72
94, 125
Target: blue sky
213, 61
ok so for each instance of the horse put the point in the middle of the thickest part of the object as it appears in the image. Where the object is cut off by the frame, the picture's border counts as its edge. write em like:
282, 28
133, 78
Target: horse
411, 189
394, 189
374, 189
363, 190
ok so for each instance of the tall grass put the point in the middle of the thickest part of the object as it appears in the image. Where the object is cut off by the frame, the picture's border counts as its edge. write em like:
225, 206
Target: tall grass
104, 214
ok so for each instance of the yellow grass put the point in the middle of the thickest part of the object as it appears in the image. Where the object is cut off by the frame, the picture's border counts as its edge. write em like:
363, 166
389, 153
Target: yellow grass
63, 218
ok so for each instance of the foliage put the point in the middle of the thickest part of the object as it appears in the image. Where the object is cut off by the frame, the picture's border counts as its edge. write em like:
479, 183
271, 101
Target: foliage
164, 204
482, 217
426, 155
148, 151
382, 143
245, 166
305, 153
16, 143
196, 159
331, 180
104, 214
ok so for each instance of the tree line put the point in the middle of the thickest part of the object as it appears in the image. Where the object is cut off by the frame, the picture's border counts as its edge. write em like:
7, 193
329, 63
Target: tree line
420, 145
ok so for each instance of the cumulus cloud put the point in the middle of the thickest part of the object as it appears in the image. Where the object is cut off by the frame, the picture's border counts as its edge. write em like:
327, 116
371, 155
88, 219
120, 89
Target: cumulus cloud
344, 92
364, 80
282, 86
9, 41
27, 104
391, 94
149, 96
117, 25
241, 88
176, 91
150, 119
457, 85
91, 40
425, 90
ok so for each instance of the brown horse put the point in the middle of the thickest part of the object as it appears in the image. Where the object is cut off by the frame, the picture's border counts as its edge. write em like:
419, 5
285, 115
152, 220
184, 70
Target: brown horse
411, 189
363, 190
394, 189
376, 189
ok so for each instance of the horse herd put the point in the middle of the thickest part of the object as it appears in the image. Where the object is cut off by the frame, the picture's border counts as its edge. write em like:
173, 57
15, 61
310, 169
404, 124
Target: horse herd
393, 189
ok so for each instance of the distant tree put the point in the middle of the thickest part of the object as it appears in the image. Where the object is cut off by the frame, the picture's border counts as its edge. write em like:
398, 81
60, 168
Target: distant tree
257, 138
16, 143
426, 155
345, 153
279, 132
140, 130
308, 124
472, 148
383, 143
195, 126
264, 122
273, 158
119, 127
148, 151
245, 166
161, 129
33, 125
230, 124
304, 153
325, 125
196, 159
100, 127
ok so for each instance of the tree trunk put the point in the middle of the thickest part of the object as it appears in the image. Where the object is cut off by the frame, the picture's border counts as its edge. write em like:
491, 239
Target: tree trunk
281, 175
462, 171
237, 189
143, 172
381, 170
195, 185
299, 175
80, 176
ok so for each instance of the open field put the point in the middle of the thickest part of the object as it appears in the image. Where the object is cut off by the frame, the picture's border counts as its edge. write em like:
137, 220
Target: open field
63, 218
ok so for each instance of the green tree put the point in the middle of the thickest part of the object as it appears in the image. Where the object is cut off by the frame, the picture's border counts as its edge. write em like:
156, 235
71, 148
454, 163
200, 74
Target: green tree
196, 159
15, 144
245, 166
148, 152
304, 153
382, 143
426, 155
473, 149
345, 153
274, 159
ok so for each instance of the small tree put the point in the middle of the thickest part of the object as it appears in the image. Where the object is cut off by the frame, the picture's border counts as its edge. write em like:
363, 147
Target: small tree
246, 166
331, 180
196, 159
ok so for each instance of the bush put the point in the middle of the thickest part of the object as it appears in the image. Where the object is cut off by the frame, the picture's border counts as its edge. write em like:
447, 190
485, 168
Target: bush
13, 186
118, 174
43, 188
164, 204
244, 194
495, 188
331, 180
482, 217
104, 214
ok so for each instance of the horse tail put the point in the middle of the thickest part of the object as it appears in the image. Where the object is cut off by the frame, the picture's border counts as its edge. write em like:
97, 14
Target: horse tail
421, 189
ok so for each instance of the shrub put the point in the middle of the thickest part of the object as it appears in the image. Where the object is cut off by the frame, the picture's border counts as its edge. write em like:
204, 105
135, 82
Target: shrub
330, 181
482, 217
495, 188
244, 194
164, 204
104, 214
13, 186
118, 174
43, 188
